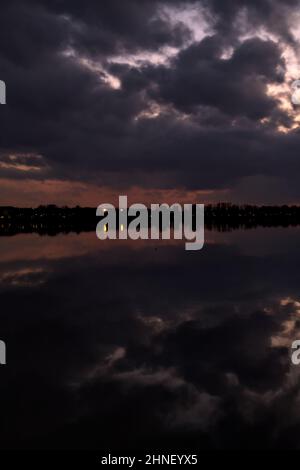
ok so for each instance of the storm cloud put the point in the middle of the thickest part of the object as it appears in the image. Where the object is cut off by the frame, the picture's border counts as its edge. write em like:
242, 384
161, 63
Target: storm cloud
160, 94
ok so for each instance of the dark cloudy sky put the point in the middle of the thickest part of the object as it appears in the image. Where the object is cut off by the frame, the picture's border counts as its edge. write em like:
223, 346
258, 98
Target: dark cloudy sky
157, 99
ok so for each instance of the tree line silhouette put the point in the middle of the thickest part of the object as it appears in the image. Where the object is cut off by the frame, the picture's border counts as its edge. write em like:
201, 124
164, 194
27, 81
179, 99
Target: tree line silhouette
52, 220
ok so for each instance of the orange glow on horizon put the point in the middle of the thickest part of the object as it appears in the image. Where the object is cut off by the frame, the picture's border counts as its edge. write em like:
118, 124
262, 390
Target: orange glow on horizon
32, 193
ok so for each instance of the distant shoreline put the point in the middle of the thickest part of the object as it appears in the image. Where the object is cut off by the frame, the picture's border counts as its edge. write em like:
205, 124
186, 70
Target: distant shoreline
52, 220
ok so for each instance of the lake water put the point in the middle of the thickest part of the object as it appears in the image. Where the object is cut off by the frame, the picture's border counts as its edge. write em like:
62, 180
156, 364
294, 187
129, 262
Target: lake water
139, 345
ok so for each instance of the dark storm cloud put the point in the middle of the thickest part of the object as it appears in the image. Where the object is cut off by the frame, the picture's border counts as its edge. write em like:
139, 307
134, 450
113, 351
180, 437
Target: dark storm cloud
66, 111
232, 17
107, 27
29, 34
236, 86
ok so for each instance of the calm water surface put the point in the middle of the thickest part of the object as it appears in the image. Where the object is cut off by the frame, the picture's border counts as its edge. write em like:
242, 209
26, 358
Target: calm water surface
119, 345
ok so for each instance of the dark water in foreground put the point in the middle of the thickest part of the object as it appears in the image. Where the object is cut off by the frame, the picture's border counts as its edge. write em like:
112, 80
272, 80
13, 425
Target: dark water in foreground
141, 344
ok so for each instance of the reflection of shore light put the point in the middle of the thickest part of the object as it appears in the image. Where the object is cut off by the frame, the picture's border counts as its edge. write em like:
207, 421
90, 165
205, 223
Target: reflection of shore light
105, 228
122, 228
